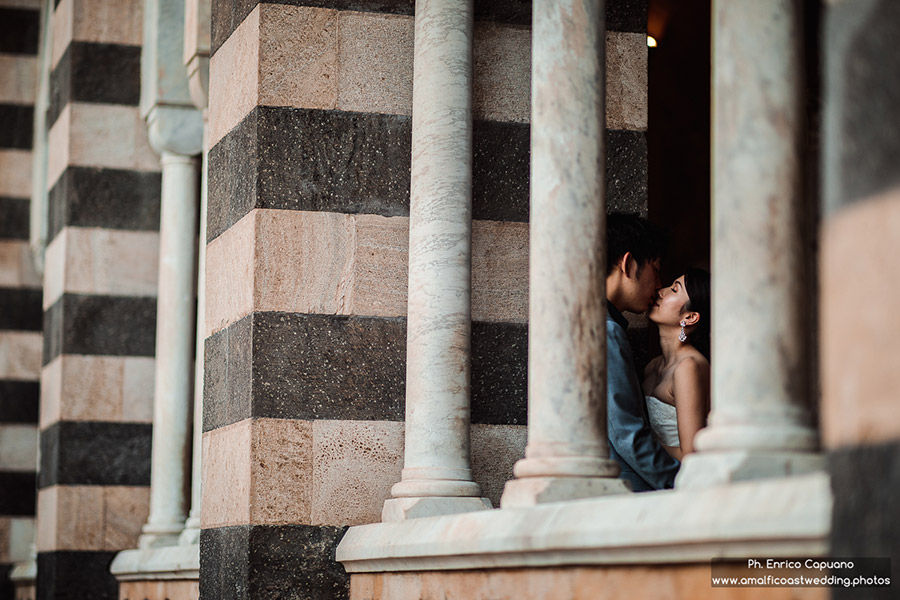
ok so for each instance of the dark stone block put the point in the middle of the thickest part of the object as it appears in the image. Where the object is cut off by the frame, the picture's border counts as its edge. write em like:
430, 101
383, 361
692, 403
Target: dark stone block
512, 12
16, 126
95, 453
328, 367
21, 309
19, 30
107, 198
626, 171
501, 166
261, 562
500, 373
333, 161
19, 495
106, 325
233, 166
76, 575
297, 366
865, 481
93, 72
227, 377
862, 93
19, 402
626, 15
14, 218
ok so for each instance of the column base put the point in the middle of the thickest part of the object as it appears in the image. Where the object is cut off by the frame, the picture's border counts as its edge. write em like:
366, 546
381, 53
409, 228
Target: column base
710, 468
530, 491
402, 509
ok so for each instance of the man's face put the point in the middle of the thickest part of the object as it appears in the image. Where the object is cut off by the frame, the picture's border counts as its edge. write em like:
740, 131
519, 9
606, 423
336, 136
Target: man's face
642, 284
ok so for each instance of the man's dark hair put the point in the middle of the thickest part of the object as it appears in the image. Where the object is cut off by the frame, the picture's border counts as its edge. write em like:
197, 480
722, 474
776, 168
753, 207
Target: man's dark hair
628, 232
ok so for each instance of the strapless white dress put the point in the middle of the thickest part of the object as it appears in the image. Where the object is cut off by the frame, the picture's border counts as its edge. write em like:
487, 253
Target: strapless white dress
663, 421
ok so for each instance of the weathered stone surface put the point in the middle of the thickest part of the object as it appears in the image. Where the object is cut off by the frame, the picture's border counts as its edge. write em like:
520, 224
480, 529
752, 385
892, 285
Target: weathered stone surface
111, 325
107, 198
19, 402
21, 309
264, 561
75, 574
16, 122
94, 453
19, 30
19, 493
14, 217
98, 73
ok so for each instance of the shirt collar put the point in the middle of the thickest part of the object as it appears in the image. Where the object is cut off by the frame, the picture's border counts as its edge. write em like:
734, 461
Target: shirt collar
616, 315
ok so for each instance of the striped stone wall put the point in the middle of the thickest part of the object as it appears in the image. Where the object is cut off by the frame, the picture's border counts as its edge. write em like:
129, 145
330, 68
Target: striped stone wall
99, 300
20, 293
860, 277
309, 175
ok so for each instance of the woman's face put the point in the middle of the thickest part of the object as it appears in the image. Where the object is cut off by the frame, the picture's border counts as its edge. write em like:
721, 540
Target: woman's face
668, 309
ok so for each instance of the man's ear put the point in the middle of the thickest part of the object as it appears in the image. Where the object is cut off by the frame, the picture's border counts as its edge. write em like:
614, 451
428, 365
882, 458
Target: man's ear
625, 264
691, 318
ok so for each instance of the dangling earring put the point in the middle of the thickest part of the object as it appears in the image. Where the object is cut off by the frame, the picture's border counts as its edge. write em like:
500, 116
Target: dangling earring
682, 336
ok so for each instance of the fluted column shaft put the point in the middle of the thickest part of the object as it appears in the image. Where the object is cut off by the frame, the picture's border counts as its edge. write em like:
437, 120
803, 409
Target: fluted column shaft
567, 311
175, 332
759, 424
436, 458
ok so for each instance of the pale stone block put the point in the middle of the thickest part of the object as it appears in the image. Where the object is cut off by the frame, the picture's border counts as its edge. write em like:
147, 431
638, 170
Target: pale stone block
54, 270
859, 322
51, 392
281, 476
502, 68
499, 271
230, 274
381, 261
108, 21
20, 355
18, 447
97, 388
160, 590
18, 79
234, 78
626, 81
376, 63
47, 505
4, 539
35, 4
298, 56
355, 465
108, 135
109, 261
125, 510
227, 472
57, 147
403, 509
71, 518
61, 27
17, 269
303, 261
15, 173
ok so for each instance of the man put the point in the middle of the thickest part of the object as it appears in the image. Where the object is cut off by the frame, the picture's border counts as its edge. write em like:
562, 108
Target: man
634, 249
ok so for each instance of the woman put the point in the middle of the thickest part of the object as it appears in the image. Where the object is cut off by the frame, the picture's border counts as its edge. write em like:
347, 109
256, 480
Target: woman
676, 384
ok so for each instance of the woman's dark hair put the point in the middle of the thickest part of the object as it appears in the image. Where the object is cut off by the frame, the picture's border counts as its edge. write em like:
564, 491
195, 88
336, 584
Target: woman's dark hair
696, 283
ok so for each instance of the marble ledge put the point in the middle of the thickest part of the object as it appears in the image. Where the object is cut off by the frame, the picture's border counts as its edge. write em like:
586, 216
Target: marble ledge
776, 517
166, 562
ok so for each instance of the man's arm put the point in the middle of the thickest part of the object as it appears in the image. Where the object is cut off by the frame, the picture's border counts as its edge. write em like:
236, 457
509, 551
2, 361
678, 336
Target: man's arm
628, 433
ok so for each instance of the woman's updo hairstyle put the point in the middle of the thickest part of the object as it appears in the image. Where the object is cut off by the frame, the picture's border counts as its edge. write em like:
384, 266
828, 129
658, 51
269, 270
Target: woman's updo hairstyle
696, 283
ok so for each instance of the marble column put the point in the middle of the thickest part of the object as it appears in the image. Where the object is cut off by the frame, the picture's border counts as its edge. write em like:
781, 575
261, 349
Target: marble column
175, 332
196, 60
436, 477
760, 421
567, 455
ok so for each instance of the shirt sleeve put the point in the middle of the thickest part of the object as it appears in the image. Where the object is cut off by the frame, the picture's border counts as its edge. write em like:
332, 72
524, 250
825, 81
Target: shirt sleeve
628, 433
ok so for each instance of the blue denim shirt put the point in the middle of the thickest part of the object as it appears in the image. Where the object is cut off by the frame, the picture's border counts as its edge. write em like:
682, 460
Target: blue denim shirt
645, 463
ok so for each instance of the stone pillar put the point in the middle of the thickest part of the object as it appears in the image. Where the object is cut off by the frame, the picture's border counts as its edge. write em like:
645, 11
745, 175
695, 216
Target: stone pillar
567, 454
760, 421
196, 60
436, 477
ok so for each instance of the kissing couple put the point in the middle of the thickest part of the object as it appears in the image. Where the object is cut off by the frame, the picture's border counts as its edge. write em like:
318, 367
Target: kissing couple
652, 420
